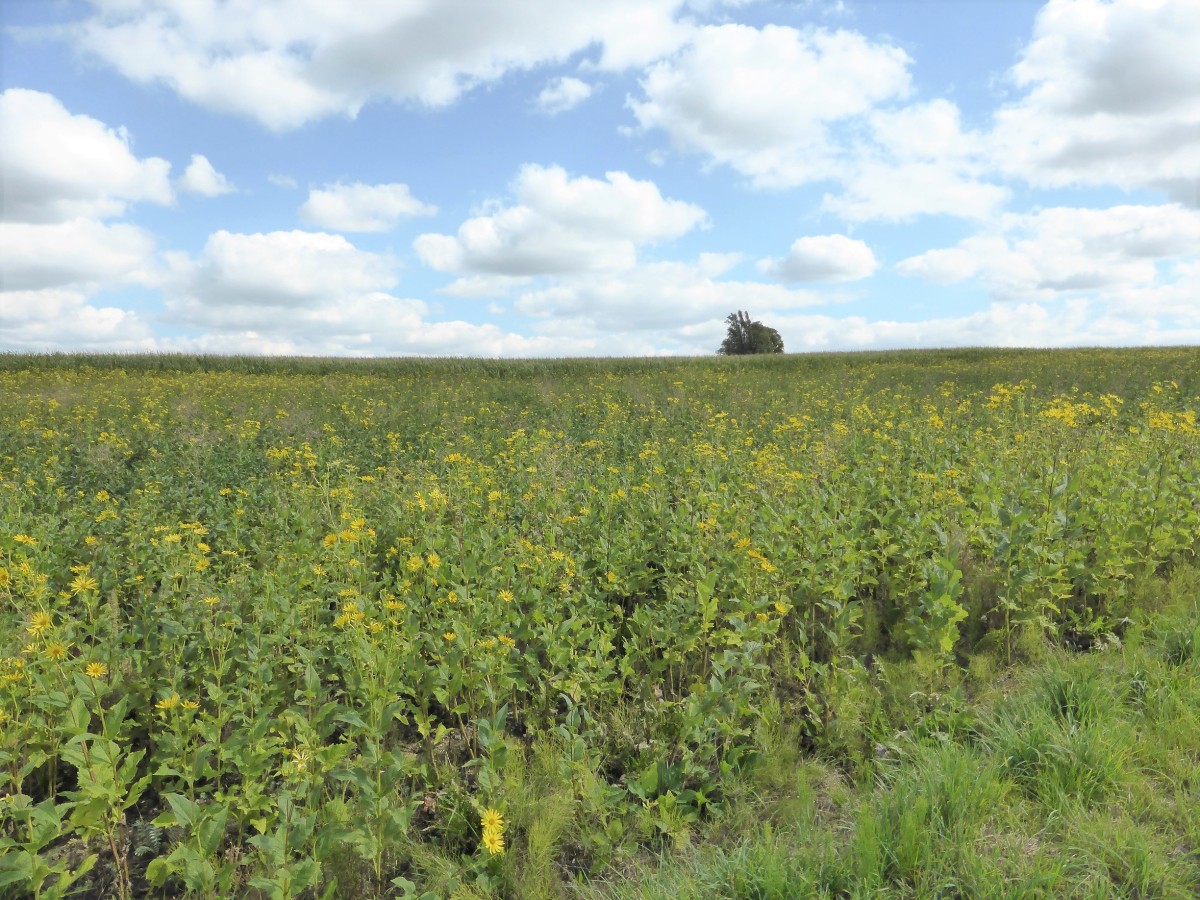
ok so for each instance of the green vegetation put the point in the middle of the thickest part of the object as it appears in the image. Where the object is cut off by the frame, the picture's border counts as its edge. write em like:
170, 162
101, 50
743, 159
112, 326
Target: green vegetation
905, 624
746, 337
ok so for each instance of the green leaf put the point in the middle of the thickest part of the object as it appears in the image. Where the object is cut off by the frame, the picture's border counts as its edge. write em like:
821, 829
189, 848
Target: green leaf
186, 811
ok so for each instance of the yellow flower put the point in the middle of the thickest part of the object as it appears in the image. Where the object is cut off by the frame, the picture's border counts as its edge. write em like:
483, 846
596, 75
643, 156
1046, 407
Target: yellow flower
95, 670
167, 702
83, 582
190, 704
782, 608
40, 623
211, 600
449, 636
25, 539
493, 831
301, 759
506, 595
56, 651
433, 560
493, 841
414, 562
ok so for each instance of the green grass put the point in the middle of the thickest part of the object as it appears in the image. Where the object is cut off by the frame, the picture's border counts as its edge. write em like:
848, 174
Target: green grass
1081, 779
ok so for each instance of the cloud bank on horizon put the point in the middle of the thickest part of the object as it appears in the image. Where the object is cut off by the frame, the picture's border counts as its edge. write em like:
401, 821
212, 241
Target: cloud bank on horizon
559, 177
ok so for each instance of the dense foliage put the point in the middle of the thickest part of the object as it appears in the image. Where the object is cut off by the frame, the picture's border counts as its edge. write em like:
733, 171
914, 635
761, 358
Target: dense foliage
746, 336
258, 619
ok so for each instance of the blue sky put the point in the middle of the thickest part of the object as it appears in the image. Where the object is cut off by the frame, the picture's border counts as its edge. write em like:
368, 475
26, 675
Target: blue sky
565, 177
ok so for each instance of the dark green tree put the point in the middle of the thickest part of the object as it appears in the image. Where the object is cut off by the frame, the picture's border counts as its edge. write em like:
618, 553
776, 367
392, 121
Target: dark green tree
746, 336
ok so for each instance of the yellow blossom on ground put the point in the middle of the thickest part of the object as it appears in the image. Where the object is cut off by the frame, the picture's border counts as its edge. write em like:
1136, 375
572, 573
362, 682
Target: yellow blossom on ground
95, 670
56, 651
493, 831
40, 623
82, 583
167, 702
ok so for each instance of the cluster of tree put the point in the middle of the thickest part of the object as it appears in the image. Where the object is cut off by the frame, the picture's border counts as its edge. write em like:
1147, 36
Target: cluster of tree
746, 336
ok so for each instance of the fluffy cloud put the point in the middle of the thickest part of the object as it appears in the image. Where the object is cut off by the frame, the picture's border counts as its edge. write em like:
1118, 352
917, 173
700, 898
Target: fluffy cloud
562, 224
764, 100
37, 321
1076, 323
917, 160
1063, 251
80, 253
281, 270
1111, 96
201, 178
288, 62
831, 257
684, 294
362, 207
59, 166
562, 94
313, 293
787, 107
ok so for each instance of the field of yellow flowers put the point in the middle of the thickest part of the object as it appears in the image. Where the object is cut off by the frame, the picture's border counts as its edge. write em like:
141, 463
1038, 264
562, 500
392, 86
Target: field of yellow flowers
318, 628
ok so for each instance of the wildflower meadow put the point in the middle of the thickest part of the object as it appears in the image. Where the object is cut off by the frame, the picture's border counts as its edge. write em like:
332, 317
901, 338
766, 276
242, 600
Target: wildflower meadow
317, 628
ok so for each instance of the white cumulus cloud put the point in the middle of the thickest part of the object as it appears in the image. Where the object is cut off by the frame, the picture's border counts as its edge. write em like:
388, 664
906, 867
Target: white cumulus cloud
1111, 96
288, 62
562, 224
830, 257
1066, 251
201, 178
59, 166
764, 100
81, 253
563, 94
361, 207
62, 318
279, 270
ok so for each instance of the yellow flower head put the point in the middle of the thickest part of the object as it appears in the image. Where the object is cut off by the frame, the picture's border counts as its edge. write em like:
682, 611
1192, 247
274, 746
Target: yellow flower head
450, 636
506, 595
95, 670
434, 561
493, 831
167, 703
56, 651
40, 623
190, 704
82, 583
